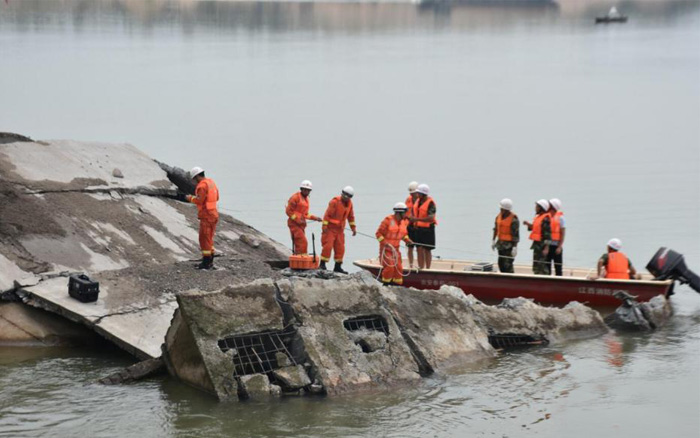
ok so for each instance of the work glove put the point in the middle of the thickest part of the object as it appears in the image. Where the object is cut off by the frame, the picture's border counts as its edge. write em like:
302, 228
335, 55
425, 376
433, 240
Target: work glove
514, 252
493, 246
354, 231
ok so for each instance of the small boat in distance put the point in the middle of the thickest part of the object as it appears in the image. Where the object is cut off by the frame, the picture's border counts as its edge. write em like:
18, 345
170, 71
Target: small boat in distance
612, 17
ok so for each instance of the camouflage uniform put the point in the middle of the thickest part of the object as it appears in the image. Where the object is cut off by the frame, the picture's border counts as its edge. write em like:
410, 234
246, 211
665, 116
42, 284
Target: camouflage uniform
540, 265
505, 249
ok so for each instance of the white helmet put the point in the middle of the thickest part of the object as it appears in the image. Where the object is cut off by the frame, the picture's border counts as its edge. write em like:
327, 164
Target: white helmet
349, 191
400, 206
556, 203
543, 203
506, 204
412, 186
615, 244
423, 188
306, 184
196, 170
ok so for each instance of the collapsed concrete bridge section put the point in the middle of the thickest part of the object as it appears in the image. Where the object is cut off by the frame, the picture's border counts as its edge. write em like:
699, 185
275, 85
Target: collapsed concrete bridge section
306, 336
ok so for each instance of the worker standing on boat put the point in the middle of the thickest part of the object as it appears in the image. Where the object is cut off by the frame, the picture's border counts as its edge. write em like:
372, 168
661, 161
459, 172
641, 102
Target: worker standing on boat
205, 198
297, 214
412, 195
541, 235
423, 218
615, 263
556, 246
390, 233
339, 211
506, 235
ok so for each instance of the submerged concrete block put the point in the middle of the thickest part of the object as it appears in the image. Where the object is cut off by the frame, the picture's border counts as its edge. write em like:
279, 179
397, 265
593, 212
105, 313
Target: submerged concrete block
439, 327
328, 313
254, 386
291, 378
520, 316
220, 338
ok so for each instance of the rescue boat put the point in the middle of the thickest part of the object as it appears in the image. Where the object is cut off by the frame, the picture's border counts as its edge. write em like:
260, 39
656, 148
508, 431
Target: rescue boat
576, 284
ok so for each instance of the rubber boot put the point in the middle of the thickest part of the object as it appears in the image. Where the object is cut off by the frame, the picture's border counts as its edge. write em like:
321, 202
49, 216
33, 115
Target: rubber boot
206, 263
322, 266
338, 268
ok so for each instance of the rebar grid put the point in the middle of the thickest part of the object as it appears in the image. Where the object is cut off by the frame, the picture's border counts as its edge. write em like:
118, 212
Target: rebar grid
377, 323
256, 353
509, 340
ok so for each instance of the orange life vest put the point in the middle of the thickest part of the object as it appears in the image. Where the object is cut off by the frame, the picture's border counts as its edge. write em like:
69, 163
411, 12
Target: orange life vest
337, 214
420, 210
555, 223
618, 266
536, 233
298, 208
503, 227
209, 204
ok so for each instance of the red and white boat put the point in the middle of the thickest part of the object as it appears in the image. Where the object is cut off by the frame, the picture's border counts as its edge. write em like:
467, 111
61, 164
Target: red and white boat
575, 285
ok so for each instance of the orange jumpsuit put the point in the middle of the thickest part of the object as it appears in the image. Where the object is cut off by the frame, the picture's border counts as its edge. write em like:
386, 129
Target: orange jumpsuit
390, 234
333, 237
297, 213
206, 197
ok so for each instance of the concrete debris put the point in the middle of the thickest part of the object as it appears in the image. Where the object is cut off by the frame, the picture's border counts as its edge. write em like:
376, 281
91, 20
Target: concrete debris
634, 316
440, 327
520, 316
254, 386
138, 371
117, 173
291, 378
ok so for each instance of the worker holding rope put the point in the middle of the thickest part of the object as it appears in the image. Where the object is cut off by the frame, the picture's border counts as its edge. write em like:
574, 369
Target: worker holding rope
390, 233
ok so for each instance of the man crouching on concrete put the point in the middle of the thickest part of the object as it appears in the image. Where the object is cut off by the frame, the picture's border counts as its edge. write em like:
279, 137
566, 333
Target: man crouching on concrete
205, 198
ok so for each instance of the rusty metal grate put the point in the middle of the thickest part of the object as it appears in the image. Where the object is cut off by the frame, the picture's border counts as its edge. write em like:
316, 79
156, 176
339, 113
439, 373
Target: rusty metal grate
510, 340
372, 322
257, 353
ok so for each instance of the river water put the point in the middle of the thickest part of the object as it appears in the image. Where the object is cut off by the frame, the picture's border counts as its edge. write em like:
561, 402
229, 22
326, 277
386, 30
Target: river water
481, 101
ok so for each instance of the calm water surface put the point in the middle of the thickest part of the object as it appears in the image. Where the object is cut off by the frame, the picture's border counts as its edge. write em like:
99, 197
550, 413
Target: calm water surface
479, 101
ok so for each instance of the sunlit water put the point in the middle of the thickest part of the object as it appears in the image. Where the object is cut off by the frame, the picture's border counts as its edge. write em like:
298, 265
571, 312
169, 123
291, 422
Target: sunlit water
481, 102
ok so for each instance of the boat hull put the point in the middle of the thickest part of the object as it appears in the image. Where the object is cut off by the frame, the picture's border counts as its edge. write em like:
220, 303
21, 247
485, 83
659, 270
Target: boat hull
495, 286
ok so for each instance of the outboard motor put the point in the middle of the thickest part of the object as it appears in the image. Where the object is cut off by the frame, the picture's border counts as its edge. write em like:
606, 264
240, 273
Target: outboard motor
667, 263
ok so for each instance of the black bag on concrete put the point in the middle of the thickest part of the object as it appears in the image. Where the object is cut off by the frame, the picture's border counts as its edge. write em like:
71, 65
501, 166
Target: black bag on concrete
83, 289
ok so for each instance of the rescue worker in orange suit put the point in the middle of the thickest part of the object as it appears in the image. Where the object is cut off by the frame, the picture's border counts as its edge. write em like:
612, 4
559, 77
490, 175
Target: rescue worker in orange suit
615, 264
205, 198
556, 246
390, 233
506, 235
423, 218
297, 214
412, 196
339, 211
541, 235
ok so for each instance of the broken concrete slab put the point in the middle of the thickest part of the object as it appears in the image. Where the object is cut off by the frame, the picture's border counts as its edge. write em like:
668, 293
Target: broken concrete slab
137, 326
138, 371
522, 317
439, 327
328, 311
219, 339
291, 378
